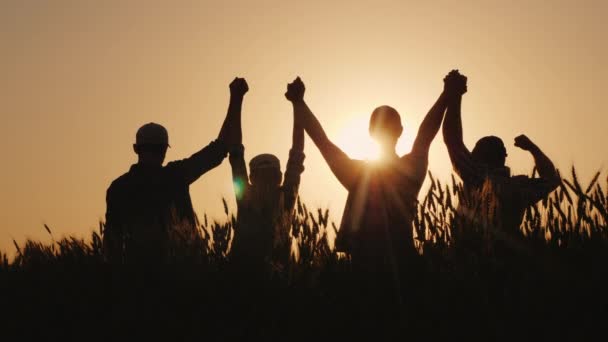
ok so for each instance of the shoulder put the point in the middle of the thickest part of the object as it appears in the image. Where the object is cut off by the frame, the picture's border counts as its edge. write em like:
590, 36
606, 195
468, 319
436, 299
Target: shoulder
413, 161
520, 178
175, 170
118, 184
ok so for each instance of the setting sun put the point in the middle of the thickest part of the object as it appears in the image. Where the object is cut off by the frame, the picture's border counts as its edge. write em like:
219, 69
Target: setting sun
354, 139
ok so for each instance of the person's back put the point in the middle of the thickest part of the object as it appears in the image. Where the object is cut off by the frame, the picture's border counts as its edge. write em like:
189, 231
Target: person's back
492, 198
379, 211
149, 207
376, 227
265, 210
149, 204
265, 199
496, 202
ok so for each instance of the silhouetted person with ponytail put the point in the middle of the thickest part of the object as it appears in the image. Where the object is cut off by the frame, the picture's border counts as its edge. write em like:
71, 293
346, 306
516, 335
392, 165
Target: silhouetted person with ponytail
492, 196
265, 199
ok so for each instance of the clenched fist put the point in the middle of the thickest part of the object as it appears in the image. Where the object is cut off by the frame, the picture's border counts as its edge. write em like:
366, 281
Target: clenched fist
295, 90
524, 143
238, 87
455, 84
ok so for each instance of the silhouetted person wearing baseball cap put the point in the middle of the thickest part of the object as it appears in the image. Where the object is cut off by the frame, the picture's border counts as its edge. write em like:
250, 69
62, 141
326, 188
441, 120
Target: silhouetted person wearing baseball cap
492, 196
265, 199
150, 204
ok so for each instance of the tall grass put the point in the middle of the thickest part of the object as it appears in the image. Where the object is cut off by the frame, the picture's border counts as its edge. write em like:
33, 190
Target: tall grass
554, 288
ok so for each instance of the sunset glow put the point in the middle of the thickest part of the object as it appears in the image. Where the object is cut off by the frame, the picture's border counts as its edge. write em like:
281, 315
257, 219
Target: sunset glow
78, 80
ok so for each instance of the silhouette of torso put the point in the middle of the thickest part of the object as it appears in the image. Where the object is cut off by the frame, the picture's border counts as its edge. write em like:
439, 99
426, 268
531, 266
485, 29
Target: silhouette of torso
148, 204
376, 225
494, 197
264, 214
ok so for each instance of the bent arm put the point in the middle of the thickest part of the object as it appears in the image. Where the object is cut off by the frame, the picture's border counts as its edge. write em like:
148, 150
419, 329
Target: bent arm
192, 168
297, 138
429, 127
344, 168
230, 137
452, 125
544, 165
549, 180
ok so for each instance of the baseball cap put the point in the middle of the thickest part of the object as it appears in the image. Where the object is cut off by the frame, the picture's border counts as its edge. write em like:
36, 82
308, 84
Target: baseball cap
264, 161
152, 134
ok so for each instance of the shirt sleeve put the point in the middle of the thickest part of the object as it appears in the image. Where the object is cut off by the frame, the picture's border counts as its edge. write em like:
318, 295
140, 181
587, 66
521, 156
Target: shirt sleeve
532, 190
190, 169
240, 179
291, 182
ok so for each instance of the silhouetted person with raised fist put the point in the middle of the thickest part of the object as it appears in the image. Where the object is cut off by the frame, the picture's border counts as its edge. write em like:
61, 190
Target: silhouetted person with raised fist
150, 204
376, 227
492, 196
265, 200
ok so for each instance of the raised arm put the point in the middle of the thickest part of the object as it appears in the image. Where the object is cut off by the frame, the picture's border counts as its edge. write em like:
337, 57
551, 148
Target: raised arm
429, 127
549, 177
230, 137
345, 169
295, 164
240, 179
455, 85
231, 133
297, 137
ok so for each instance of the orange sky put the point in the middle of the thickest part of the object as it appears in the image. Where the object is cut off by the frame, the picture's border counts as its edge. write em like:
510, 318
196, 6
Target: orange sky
77, 78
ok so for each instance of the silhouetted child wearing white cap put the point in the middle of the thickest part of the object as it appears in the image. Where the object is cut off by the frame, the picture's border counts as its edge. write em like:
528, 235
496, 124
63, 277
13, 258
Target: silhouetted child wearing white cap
265, 201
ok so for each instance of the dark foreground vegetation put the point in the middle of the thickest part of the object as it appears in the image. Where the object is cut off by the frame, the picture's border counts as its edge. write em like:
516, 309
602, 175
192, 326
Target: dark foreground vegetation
550, 285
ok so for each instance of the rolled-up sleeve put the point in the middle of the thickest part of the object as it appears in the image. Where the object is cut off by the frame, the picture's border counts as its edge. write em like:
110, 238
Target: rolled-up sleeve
202, 161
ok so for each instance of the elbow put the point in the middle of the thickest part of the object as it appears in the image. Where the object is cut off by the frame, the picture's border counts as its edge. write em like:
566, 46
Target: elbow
553, 178
556, 180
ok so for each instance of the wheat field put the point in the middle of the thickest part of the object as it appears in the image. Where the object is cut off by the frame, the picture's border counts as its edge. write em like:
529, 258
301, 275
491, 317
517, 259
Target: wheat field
551, 286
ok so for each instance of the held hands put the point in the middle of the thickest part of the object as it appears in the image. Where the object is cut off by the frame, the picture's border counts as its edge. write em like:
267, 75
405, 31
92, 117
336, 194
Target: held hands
238, 87
455, 84
524, 143
295, 91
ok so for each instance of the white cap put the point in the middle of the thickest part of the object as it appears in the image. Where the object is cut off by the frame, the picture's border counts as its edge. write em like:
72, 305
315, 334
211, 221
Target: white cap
264, 161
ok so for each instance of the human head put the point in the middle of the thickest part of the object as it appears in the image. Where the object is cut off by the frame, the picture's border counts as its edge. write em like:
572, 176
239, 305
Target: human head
265, 170
490, 151
151, 143
385, 126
